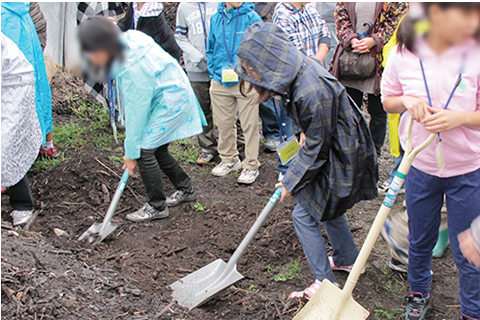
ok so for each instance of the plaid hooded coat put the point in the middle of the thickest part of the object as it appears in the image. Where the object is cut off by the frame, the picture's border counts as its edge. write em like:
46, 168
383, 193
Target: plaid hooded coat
337, 166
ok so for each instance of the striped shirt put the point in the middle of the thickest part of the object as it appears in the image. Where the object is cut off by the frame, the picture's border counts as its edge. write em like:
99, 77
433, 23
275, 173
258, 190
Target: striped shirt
149, 9
304, 27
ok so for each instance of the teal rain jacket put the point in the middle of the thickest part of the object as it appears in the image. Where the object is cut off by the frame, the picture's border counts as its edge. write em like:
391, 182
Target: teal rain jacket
337, 166
18, 26
159, 103
217, 55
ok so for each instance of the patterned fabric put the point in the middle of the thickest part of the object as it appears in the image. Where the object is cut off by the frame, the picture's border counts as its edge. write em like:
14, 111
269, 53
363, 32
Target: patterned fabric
388, 14
18, 26
159, 102
305, 27
86, 10
21, 134
149, 9
337, 166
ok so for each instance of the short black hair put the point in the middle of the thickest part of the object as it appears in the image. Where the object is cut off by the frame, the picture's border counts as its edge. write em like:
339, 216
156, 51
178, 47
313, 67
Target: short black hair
99, 33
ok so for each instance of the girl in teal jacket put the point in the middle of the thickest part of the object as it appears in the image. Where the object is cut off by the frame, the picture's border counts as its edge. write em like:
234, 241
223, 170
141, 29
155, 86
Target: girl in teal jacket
159, 105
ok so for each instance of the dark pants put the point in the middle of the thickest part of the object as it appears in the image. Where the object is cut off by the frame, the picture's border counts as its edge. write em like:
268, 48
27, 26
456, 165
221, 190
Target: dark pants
424, 196
208, 138
151, 164
378, 120
21, 196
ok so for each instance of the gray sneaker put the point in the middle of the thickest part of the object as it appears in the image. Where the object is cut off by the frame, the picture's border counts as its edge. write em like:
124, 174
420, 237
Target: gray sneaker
21, 217
180, 196
271, 146
147, 213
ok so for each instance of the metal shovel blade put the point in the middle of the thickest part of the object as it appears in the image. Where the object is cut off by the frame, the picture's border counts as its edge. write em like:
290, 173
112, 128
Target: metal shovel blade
196, 288
95, 232
329, 303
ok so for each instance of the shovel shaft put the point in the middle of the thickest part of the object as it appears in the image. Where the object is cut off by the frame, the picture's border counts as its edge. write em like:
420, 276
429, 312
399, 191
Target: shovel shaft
232, 263
116, 198
384, 211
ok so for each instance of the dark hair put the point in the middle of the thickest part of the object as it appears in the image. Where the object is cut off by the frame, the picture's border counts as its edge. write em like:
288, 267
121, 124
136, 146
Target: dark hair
99, 33
263, 93
406, 29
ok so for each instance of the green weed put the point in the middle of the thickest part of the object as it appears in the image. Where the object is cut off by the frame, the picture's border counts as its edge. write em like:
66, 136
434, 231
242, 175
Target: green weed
116, 159
286, 272
198, 206
47, 163
380, 312
184, 150
251, 288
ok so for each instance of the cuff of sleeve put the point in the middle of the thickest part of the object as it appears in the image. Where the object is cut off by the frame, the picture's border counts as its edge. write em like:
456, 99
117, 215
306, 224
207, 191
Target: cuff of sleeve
325, 40
132, 153
378, 41
289, 181
348, 39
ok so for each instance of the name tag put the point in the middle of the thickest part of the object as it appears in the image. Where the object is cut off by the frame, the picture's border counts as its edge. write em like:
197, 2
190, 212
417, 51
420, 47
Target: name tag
288, 150
229, 75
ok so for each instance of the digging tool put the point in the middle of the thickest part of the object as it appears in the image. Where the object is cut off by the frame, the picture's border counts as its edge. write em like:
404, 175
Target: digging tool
99, 231
331, 303
196, 288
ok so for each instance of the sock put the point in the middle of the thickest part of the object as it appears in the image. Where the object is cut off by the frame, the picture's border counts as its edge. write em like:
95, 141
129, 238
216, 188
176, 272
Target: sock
47, 145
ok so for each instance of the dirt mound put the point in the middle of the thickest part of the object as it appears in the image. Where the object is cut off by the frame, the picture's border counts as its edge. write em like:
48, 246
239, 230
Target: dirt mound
42, 282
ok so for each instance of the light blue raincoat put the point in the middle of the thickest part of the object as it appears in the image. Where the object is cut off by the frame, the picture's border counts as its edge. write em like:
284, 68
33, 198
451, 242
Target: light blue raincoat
18, 26
159, 102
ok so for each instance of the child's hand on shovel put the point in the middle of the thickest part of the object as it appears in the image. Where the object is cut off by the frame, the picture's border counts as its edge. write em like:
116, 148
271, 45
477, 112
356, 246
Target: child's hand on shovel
285, 192
129, 164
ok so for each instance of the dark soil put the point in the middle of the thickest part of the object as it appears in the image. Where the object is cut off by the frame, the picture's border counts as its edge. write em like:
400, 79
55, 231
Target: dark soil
45, 276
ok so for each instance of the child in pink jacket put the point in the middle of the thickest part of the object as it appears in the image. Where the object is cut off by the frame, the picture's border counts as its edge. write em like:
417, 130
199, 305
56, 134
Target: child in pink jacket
435, 79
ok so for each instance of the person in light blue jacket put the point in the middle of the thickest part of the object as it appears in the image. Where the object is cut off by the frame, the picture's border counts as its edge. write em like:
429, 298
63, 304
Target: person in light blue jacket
159, 105
226, 30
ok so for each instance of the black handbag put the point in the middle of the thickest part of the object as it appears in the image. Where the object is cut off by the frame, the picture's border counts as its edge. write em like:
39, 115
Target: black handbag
357, 66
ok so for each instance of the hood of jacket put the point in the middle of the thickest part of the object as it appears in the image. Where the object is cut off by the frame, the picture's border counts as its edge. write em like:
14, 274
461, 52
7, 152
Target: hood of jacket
19, 8
245, 8
266, 48
138, 44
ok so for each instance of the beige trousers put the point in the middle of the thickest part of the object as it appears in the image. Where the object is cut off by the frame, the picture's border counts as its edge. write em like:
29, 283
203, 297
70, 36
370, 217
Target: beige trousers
228, 104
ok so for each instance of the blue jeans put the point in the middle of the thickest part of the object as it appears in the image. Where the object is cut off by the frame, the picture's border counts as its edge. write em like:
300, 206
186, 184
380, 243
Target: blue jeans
424, 203
270, 128
308, 231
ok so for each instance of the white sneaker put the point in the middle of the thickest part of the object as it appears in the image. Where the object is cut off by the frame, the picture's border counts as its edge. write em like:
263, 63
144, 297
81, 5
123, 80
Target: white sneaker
271, 146
247, 176
21, 217
224, 168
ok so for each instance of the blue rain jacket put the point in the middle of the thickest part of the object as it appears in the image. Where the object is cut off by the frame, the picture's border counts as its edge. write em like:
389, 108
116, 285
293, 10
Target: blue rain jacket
18, 26
159, 103
217, 54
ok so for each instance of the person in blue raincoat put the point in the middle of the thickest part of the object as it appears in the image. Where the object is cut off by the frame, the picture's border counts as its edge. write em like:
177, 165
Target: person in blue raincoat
159, 104
18, 25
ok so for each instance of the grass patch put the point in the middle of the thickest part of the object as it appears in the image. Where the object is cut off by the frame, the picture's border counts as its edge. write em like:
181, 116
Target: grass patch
184, 150
380, 312
285, 272
116, 159
198, 206
47, 163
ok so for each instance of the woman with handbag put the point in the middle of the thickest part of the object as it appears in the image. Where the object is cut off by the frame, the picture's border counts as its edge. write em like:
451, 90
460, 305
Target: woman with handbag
363, 28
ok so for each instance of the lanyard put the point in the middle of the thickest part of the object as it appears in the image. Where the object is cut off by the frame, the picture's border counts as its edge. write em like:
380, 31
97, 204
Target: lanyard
204, 17
306, 27
281, 124
230, 54
457, 83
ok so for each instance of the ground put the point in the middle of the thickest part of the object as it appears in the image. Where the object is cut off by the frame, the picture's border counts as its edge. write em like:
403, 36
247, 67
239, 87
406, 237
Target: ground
47, 276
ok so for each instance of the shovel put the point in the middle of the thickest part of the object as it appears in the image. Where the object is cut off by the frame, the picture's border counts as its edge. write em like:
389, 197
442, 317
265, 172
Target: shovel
196, 288
99, 231
331, 303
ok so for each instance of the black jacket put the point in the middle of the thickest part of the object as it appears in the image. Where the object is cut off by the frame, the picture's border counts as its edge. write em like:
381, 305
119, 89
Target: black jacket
155, 27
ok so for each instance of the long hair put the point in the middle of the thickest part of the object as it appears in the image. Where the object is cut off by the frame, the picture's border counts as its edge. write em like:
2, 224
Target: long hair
406, 29
263, 93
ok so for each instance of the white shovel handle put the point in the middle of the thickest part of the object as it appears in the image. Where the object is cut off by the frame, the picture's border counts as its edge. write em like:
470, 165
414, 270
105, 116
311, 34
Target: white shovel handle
384, 211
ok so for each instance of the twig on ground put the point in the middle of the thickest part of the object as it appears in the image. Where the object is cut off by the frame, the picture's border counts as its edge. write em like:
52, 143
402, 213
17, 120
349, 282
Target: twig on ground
162, 312
34, 217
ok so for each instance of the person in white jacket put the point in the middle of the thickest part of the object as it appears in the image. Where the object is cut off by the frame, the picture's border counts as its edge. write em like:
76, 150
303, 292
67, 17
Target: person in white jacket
21, 133
192, 31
